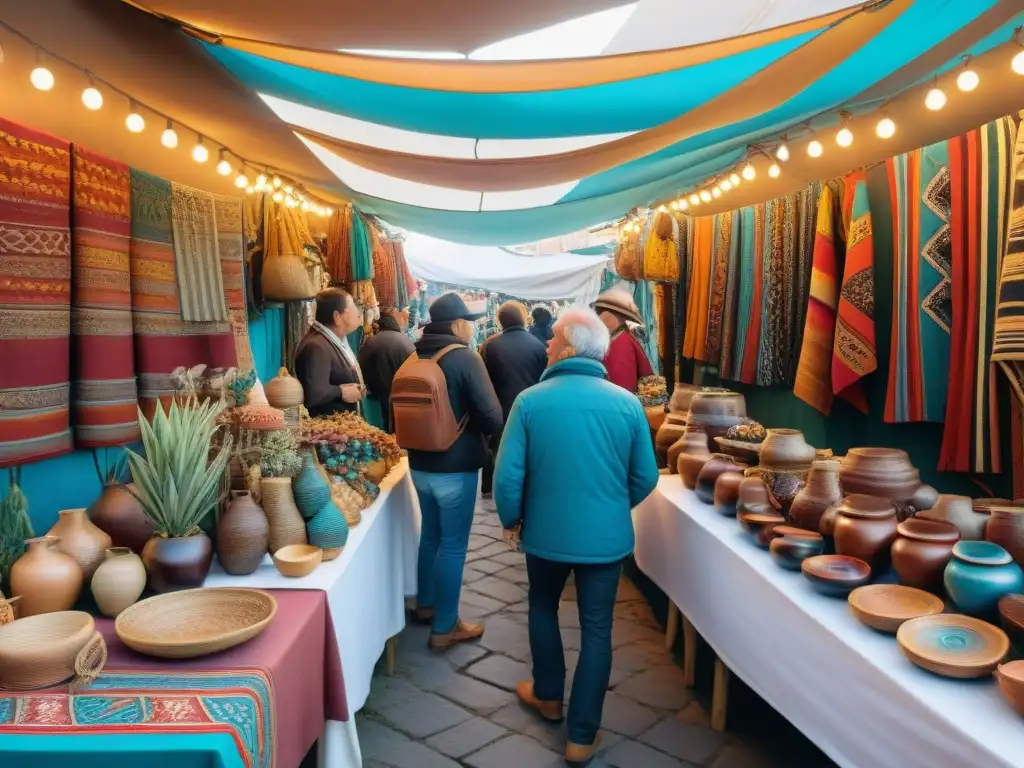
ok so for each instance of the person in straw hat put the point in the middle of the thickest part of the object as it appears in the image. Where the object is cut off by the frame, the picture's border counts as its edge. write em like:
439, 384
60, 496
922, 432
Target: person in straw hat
626, 361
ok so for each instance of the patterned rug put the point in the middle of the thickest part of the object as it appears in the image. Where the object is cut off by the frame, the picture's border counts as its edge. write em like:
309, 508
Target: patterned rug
231, 246
197, 255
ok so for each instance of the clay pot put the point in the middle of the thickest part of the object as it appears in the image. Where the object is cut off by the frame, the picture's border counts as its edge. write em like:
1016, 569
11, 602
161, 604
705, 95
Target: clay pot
791, 546
284, 390
80, 539
691, 459
243, 535
286, 524
752, 497
821, 492
921, 551
958, 511
715, 411
693, 442
783, 486
786, 449
865, 528
760, 526
173, 564
45, 578
119, 581
120, 515
726, 494
655, 417
713, 467
979, 574
667, 435
1005, 527
886, 473
682, 396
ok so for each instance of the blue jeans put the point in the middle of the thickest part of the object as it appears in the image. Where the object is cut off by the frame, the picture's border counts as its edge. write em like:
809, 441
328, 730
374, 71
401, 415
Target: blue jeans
596, 588
447, 501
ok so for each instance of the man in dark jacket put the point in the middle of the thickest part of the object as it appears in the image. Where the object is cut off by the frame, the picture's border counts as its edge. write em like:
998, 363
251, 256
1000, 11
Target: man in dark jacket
380, 357
325, 364
541, 327
515, 360
446, 482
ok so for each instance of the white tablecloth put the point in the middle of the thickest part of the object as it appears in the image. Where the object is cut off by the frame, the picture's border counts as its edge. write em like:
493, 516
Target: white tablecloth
846, 687
366, 588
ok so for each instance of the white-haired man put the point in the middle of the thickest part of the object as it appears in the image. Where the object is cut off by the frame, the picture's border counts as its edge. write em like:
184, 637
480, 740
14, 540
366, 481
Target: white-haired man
575, 458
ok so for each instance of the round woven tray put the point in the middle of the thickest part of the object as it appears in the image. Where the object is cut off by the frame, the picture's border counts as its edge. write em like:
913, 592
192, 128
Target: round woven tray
195, 622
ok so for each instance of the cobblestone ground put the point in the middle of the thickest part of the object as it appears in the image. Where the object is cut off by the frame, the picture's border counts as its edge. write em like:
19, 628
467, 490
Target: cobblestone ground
459, 709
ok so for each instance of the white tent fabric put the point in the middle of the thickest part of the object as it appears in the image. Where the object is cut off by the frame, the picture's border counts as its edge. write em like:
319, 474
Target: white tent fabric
536, 278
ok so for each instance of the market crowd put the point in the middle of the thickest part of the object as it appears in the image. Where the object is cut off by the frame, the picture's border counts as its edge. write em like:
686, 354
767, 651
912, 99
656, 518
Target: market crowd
547, 416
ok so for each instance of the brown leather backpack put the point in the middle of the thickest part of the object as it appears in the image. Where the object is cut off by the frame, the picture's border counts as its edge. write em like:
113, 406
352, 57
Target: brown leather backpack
421, 410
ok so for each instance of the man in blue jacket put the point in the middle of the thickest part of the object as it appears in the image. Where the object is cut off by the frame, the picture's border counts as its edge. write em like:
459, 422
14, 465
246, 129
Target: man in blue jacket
575, 458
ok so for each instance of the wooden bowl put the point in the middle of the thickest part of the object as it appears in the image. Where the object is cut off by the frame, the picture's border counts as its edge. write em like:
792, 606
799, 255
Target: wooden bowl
298, 560
835, 575
195, 622
40, 651
886, 606
1011, 610
1011, 684
953, 645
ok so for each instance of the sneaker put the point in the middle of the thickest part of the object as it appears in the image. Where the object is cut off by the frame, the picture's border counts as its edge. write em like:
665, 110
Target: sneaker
578, 755
462, 633
549, 710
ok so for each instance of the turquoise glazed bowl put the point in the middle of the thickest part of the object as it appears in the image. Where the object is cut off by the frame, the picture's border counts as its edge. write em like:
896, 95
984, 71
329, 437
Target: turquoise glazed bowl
979, 574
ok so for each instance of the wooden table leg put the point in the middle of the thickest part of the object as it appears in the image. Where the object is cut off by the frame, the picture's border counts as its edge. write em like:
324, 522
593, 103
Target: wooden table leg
689, 653
390, 648
672, 627
720, 696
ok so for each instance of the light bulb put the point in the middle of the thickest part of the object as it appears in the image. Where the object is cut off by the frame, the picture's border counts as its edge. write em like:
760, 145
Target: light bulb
814, 149
683, 205
675, 205
734, 178
241, 181
134, 122
261, 181
328, 211
290, 201
749, 172
935, 100
662, 209
705, 196
169, 138
92, 98
886, 128
305, 206
968, 79
774, 170
845, 137
782, 153
200, 153
726, 185
716, 191
277, 182
288, 190
277, 197
694, 200
250, 189
224, 167
1017, 64
42, 78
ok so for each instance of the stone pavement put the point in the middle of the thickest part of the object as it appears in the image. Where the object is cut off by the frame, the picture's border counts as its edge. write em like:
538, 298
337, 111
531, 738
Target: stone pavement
458, 709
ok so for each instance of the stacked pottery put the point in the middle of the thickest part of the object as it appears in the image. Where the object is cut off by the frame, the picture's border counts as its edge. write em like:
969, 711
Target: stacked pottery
714, 411
921, 552
45, 578
726, 494
119, 581
960, 512
328, 530
865, 528
717, 464
243, 535
283, 391
821, 492
177, 563
310, 488
979, 574
80, 539
887, 473
692, 456
668, 433
1005, 527
286, 524
118, 513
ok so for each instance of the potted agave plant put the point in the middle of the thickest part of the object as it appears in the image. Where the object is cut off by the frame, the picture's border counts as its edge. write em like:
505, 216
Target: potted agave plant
178, 484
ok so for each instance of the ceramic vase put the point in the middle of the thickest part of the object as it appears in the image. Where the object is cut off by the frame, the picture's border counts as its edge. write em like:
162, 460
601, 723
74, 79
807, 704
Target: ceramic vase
45, 578
726, 494
821, 492
921, 552
173, 564
120, 516
668, 433
786, 449
80, 539
309, 488
865, 528
1005, 527
717, 464
286, 523
328, 530
714, 411
980, 573
119, 581
958, 511
243, 535
283, 391
887, 473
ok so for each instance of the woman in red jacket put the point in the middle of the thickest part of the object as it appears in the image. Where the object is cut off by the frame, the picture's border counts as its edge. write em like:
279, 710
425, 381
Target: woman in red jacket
626, 361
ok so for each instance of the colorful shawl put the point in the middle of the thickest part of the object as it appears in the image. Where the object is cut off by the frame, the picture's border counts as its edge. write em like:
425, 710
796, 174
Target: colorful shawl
699, 288
35, 295
1008, 335
231, 244
979, 164
720, 248
922, 310
854, 355
752, 344
772, 357
743, 240
197, 256
725, 366
807, 210
105, 397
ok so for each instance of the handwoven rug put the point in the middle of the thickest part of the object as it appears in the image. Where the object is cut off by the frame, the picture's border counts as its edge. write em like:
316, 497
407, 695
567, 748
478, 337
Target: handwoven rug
752, 343
237, 702
699, 288
231, 246
197, 255
922, 310
105, 398
718, 282
35, 295
1008, 336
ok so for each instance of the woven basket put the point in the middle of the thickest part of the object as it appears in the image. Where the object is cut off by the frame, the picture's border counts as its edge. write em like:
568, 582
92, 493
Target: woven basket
285, 278
195, 622
41, 651
286, 523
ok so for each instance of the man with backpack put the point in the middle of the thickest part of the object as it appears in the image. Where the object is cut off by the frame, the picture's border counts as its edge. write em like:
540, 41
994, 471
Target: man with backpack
443, 407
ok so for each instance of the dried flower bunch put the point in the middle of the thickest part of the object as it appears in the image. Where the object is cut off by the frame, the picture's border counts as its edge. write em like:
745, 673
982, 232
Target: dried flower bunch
749, 432
652, 390
279, 454
348, 436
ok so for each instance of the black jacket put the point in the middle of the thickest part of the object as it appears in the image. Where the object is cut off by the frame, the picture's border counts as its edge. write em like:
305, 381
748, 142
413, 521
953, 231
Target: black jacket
470, 391
542, 332
380, 357
322, 369
515, 359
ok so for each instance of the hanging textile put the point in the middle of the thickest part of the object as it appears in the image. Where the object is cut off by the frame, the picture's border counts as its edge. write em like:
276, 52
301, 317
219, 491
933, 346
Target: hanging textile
979, 164
290, 254
720, 248
35, 295
743, 240
854, 354
196, 255
698, 295
255, 237
807, 205
231, 245
1008, 335
361, 248
104, 394
658, 298
727, 352
684, 240
752, 343
298, 317
338, 259
922, 310
661, 255
772, 357
384, 282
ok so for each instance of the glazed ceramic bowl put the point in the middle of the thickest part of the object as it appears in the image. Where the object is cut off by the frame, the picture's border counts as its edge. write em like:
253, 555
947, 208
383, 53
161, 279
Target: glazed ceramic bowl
1011, 684
978, 575
759, 527
953, 645
1011, 611
886, 606
298, 560
835, 575
790, 546
727, 488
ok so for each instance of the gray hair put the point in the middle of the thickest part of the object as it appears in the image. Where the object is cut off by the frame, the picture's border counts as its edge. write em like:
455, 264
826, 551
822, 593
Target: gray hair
584, 331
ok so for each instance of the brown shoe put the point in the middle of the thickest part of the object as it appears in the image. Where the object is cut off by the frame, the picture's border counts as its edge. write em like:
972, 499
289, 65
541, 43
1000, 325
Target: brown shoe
422, 615
549, 710
462, 633
581, 754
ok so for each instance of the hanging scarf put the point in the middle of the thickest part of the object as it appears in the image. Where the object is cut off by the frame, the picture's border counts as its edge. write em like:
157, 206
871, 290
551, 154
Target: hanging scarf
808, 211
1008, 335
697, 297
752, 345
743, 239
719, 279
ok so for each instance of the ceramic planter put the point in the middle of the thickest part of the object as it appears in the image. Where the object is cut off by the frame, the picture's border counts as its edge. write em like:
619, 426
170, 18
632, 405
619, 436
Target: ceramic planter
726, 494
865, 529
693, 442
715, 411
243, 535
45, 578
921, 552
310, 489
119, 581
692, 456
1005, 527
80, 539
960, 512
173, 564
886, 473
713, 467
821, 492
120, 515
979, 574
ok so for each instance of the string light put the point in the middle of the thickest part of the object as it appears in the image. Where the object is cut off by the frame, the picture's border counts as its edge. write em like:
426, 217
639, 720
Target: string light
726, 185
261, 181
223, 166
814, 149
968, 79
683, 205
91, 97
277, 197
935, 100
169, 138
705, 196
277, 182
674, 205
241, 181
328, 211
886, 128
734, 179
716, 191
845, 137
661, 209
774, 170
694, 199
782, 153
199, 152
749, 172
134, 121
41, 77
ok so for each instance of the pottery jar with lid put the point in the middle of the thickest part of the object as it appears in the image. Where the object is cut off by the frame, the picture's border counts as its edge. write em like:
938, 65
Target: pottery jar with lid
821, 492
889, 474
713, 467
715, 411
786, 449
284, 390
960, 512
692, 456
45, 578
980, 573
865, 528
80, 539
1005, 527
921, 552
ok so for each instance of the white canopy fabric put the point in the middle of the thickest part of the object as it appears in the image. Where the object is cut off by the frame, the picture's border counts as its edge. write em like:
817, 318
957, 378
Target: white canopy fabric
537, 278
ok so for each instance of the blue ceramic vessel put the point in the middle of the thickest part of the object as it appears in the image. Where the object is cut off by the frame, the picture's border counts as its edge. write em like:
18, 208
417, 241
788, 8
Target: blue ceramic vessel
979, 574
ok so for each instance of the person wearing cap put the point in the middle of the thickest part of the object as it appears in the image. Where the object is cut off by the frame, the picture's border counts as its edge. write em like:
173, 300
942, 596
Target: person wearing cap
626, 361
446, 482
325, 364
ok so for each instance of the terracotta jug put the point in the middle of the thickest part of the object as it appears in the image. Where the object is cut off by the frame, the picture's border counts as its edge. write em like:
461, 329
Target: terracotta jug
173, 564
921, 552
960, 512
655, 417
80, 539
821, 492
243, 535
286, 523
786, 449
668, 433
284, 390
119, 581
45, 578
713, 467
1005, 527
865, 528
120, 516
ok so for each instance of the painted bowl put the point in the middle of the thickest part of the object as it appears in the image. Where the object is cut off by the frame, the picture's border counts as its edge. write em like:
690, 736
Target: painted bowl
835, 575
1011, 684
759, 526
953, 645
790, 546
886, 606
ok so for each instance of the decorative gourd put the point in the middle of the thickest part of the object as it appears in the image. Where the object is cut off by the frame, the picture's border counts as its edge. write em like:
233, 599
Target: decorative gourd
284, 390
310, 488
328, 530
